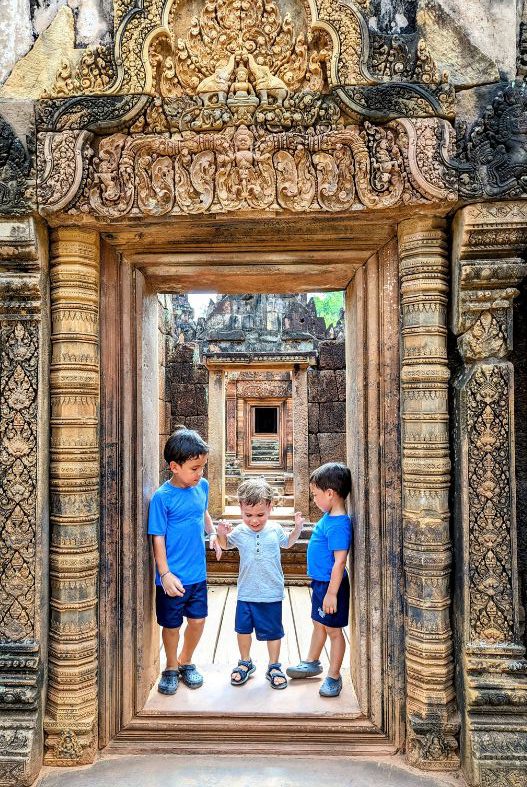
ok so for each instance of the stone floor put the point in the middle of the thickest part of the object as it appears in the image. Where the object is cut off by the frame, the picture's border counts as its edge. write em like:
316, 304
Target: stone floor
217, 653
198, 771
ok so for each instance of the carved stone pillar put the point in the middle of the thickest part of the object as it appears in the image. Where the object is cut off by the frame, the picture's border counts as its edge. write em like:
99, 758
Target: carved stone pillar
432, 722
300, 439
71, 713
23, 497
489, 243
216, 440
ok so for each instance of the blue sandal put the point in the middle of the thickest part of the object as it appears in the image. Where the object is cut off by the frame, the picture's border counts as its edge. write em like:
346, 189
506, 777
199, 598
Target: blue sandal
190, 676
273, 674
244, 674
168, 681
331, 687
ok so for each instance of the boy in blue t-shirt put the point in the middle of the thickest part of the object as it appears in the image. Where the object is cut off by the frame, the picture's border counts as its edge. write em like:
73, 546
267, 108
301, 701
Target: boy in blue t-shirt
177, 521
327, 554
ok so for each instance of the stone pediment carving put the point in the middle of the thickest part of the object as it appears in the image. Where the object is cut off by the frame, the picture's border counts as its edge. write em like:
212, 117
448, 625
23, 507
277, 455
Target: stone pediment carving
226, 105
269, 49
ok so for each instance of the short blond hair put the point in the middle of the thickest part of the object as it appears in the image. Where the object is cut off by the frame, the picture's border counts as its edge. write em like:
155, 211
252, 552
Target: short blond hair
255, 490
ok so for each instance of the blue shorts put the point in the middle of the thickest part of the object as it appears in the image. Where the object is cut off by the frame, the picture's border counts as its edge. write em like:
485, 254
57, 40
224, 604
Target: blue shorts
170, 610
340, 618
265, 617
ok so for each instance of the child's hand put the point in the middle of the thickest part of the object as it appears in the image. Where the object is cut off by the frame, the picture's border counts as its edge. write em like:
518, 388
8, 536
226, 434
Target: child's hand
172, 585
299, 520
329, 605
215, 545
223, 528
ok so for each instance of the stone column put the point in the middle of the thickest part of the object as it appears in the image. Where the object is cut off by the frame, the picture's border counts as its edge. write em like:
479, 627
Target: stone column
300, 439
216, 469
432, 723
23, 496
489, 261
70, 725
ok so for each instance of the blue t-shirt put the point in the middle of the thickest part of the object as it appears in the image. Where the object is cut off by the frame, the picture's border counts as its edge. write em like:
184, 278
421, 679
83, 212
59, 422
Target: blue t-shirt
331, 533
179, 515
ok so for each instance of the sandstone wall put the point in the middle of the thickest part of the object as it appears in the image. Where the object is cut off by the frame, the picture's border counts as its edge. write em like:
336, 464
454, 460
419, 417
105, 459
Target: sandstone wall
327, 409
187, 389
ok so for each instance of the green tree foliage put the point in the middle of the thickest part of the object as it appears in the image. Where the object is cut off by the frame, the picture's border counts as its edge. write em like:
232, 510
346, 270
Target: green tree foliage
328, 306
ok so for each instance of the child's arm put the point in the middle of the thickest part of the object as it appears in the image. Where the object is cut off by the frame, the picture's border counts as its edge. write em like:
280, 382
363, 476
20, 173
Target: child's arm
329, 604
211, 532
222, 531
170, 583
294, 535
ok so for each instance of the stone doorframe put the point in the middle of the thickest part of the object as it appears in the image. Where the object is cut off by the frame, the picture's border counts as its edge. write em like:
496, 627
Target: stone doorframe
489, 262
218, 369
73, 726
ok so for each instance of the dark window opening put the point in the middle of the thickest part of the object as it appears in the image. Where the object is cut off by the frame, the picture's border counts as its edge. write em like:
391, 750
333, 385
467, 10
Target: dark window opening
266, 420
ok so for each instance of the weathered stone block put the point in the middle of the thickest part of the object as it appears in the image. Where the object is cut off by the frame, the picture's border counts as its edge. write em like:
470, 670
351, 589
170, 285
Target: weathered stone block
322, 386
199, 423
331, 355
201, 374
332, 447
333, 417
340, 377
183, 400
201, 400
313, 411
473, 41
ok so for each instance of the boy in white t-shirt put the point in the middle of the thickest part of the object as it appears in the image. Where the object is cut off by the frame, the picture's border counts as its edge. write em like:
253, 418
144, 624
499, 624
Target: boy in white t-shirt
261, 579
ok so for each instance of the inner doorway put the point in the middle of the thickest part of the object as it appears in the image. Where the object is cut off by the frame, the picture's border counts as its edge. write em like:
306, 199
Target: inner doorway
135, 268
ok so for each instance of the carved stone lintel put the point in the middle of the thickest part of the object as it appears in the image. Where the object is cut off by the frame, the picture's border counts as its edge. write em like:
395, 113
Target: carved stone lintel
71, 713
489, 241
432, 723
22, 628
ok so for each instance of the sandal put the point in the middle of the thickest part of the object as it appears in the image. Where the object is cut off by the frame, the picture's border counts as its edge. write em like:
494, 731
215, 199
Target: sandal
190, 676
244, 674
331, 687
168, 681
273, 674
305, 669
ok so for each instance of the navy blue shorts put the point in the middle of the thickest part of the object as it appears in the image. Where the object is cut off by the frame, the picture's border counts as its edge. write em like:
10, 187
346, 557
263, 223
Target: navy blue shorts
340, 618
265, 617
170, 610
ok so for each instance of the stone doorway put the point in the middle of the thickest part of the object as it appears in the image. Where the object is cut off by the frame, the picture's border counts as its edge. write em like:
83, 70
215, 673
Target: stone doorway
132, 275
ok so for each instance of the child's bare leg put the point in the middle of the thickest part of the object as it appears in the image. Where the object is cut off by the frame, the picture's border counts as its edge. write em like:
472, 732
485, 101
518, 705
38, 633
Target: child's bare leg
318, 638
192, 636
170, 643
273, 647
244, 644
336, 652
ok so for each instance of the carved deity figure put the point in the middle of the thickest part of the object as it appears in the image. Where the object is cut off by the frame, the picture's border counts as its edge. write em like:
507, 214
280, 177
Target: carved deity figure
213, 89
242, 92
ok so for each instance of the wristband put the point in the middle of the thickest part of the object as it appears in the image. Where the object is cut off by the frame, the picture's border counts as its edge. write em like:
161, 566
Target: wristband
164, 575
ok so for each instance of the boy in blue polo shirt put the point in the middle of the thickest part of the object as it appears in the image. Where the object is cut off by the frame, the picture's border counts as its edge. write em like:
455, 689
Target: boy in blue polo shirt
327, 554
261, 579
177, 521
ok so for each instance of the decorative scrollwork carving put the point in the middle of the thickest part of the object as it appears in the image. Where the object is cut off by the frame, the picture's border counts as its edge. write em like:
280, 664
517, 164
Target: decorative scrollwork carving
490, 562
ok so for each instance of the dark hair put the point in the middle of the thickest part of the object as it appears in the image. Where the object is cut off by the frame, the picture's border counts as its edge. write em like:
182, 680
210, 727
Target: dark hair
332, 475
184, 444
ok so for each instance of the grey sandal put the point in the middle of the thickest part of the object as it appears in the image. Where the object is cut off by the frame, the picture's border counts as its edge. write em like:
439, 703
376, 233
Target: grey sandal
244, 674
305, 669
